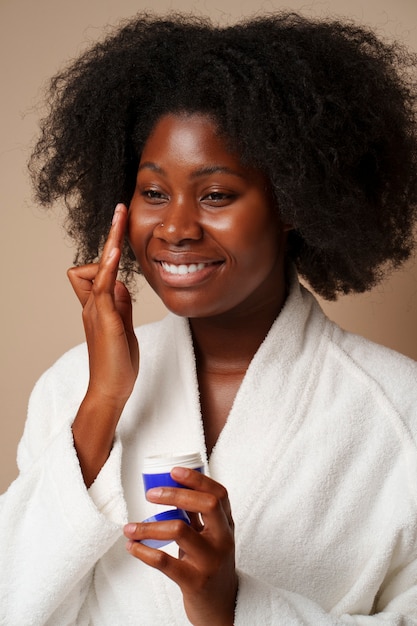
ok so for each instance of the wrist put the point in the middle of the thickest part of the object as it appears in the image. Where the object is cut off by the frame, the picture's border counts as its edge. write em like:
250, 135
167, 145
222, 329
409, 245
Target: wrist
213, 613
110, 404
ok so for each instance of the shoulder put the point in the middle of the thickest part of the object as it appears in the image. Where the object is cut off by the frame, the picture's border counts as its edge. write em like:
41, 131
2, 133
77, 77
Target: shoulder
53, 403
369, 378
387, 375
70, 371
393, 371
58, 393
68, 376
359, 358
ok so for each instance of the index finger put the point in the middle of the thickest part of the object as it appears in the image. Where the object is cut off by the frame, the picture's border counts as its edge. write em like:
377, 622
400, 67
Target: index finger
117, 231
109, 261
197, 482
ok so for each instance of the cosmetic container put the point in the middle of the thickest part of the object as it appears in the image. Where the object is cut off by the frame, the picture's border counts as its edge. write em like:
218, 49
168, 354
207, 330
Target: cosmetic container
156, 473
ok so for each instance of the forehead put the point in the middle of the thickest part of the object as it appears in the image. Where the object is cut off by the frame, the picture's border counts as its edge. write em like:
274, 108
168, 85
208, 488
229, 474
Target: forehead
190, 140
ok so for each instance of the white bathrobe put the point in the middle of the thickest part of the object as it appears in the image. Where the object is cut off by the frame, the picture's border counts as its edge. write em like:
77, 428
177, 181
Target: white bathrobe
318, 455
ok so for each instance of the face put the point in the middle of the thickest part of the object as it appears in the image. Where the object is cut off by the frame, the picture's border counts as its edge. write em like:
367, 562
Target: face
202, 225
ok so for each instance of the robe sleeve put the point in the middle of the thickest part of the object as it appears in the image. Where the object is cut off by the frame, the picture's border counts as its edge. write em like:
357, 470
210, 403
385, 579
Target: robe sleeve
52, 529
260, 603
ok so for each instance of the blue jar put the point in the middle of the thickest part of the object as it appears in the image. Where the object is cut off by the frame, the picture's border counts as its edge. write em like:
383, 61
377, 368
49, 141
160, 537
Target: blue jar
156, 473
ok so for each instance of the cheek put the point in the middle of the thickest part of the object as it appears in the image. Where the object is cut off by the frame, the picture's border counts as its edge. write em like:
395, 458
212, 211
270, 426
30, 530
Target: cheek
259, 240
139, 231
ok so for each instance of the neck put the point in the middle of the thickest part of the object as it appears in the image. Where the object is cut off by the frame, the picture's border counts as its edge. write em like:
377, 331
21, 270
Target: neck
228, 342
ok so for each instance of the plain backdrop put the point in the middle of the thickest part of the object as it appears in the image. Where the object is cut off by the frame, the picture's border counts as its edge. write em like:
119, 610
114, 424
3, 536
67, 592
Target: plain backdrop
40, 316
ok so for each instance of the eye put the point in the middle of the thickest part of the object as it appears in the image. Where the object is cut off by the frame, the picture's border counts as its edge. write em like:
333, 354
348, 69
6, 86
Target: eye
218, 198
153, 196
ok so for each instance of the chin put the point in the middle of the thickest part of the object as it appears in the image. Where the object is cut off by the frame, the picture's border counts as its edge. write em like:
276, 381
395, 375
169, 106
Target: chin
190, 307
187, 310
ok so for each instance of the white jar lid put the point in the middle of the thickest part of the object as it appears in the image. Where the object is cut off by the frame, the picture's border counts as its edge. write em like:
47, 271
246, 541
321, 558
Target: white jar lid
161, 463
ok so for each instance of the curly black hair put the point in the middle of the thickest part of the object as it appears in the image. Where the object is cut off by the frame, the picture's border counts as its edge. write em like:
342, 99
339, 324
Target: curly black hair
324, 108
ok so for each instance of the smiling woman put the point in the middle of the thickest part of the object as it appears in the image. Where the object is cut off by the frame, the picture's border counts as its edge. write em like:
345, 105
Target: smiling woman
237, 158
203, 227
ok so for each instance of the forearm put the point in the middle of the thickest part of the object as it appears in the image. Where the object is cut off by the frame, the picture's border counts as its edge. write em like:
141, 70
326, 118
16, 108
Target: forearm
112, 347
93, 431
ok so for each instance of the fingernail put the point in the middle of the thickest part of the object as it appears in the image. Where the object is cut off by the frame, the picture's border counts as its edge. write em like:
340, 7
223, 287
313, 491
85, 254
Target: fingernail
154, 494
129, 545
179, 472
129, 529
116, 213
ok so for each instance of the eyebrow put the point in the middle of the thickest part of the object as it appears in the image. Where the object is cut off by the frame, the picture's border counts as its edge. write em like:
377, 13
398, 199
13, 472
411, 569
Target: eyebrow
203, 171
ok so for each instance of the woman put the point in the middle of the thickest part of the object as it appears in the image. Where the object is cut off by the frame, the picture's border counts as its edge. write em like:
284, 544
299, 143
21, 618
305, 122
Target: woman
235, 158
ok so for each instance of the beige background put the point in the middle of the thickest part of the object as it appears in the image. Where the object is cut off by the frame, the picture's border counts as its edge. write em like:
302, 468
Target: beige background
40, 317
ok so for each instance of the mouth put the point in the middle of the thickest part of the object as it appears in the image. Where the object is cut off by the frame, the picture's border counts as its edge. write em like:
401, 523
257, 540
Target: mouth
187, 274
184, 268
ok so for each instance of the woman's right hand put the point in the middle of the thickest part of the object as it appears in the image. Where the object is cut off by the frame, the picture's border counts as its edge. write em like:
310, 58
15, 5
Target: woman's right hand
112, 347
107, 317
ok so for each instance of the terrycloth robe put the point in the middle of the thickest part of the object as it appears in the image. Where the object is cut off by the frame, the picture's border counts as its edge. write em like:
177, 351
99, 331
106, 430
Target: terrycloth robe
318, 455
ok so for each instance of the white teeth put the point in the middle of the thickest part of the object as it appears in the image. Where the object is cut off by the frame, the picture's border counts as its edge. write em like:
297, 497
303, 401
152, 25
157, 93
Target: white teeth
183, 269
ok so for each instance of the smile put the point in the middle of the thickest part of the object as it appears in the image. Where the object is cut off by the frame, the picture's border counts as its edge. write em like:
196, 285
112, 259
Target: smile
183, 268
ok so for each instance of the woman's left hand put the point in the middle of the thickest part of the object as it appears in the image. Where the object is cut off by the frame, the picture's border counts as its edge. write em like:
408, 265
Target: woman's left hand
205, 568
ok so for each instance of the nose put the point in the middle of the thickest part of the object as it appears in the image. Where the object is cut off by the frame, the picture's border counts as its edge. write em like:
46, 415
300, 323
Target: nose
180, 223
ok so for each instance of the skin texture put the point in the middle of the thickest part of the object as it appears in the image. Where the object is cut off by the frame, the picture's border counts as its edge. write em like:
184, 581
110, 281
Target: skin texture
194, 204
